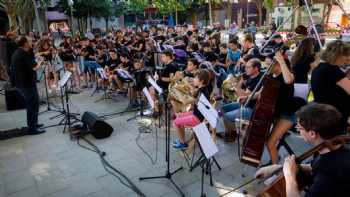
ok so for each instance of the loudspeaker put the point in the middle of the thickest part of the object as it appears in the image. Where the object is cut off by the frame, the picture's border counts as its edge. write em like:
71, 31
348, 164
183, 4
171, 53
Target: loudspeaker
98, 128
14, 99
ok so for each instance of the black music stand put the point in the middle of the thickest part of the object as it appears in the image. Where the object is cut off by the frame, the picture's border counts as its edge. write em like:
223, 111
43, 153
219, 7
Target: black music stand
104, 78
168, 175
208, 149
48, 109
66, 121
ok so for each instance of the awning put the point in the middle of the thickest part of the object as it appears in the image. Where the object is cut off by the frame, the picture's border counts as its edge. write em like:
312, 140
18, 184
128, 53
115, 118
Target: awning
55, 16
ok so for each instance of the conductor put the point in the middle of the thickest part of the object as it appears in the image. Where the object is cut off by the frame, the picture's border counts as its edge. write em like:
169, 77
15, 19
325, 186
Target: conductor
24, 69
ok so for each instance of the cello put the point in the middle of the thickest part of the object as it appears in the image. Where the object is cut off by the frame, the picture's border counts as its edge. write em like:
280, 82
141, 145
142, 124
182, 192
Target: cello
278, 187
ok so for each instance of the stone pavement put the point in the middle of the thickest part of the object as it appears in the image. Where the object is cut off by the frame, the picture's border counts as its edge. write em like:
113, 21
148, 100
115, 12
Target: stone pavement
51, 165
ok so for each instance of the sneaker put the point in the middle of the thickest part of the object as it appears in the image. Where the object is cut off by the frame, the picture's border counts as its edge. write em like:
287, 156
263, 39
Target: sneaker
181, 146
176, 142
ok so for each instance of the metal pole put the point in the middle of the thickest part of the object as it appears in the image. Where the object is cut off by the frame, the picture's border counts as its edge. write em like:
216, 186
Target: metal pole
247, 13
210, 14
313, 23
71, 20
37, 17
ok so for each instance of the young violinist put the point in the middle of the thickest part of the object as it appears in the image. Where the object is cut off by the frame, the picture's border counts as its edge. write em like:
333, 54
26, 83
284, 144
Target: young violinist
330, 169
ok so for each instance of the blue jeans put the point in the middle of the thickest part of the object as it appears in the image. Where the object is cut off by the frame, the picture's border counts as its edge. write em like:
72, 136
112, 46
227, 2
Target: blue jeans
232, 111
91, 66
31, 98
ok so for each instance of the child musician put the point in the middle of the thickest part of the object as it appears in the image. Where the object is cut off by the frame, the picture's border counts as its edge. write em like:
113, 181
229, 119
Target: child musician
192, 118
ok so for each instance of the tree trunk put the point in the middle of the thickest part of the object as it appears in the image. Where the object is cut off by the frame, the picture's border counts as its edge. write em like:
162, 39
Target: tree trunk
292, 21
176, 17
194, 18
299, 16
259, 5
229, 12
210, 13
106, 20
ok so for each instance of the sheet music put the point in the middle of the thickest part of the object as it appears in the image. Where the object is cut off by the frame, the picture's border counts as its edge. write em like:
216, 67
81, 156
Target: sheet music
102, 73
155, 85
64, 79
124, 74
208, 111
209, 148
148, 96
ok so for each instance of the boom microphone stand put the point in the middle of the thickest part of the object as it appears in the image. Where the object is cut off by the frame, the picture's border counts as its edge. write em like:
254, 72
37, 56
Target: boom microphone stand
168, 175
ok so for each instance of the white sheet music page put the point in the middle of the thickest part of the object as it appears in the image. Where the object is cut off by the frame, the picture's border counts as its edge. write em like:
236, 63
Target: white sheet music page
102, 73
209, 148
155, 85
148, 96
208, 111
64, 79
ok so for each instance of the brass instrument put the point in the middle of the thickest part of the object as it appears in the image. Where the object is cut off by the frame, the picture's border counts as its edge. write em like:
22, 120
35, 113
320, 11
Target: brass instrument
182, 93
229, 88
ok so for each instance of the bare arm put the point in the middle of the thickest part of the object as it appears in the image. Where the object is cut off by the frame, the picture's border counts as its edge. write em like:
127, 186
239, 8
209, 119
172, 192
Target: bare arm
287, 75
345, 84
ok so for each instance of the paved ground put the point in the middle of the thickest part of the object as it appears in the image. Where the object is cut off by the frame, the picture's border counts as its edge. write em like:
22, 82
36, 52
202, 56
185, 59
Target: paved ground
52, 165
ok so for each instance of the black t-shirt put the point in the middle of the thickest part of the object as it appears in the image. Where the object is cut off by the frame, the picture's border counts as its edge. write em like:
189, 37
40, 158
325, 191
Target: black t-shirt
129, 66
90, 51
302, 68
22, 63
170, 68
330, 174
102, 60
324, 86
113, 63
250, 84
203, 90
285, 101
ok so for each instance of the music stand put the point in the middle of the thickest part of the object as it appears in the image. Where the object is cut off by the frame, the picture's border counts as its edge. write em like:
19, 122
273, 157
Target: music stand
129, 108
101, 72
212, 116
66, 121
48, 109
168, 175
208, 149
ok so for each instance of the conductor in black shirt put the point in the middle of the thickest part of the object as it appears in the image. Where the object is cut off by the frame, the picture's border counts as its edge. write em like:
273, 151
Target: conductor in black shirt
330, 169
25, 66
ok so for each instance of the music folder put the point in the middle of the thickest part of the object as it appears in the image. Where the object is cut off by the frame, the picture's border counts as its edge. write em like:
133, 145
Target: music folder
148, 96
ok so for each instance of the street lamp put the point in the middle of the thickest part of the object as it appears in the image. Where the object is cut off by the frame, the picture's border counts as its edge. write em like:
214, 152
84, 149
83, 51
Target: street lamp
71, 3
248, 1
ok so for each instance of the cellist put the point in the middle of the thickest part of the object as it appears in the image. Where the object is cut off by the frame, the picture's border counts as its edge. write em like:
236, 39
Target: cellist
330, 169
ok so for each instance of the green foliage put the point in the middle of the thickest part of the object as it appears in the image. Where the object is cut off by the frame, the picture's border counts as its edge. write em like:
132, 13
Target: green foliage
268, 4
137, 6
168, 6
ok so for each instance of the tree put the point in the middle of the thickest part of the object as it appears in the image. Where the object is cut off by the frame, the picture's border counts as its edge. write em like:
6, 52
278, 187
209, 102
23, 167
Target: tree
23, 11
168, 7
268, 5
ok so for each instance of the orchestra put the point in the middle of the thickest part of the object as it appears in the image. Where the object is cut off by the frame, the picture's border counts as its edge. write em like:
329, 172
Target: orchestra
237, 78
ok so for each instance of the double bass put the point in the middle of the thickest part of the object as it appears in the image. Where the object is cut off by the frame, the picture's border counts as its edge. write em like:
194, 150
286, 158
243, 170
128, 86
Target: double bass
261, 121
278, 187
